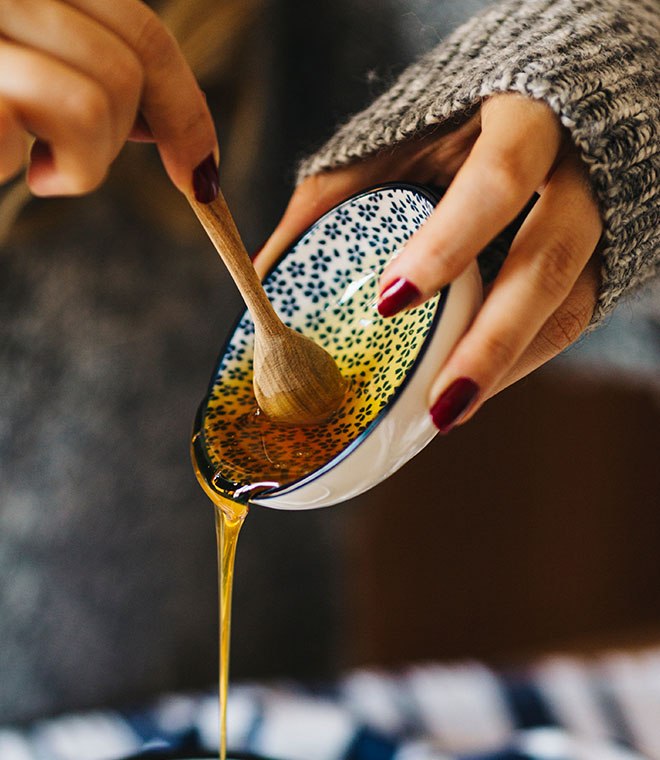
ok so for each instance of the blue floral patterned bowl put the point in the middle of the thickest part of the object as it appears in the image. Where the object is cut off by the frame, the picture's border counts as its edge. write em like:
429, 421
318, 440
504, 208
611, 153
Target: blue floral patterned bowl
326, 286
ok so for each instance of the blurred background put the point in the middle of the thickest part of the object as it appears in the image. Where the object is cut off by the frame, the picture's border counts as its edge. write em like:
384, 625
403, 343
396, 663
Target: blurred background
533, 528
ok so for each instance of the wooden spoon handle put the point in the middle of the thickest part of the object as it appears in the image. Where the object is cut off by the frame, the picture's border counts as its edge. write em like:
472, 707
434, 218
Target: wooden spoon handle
221, 229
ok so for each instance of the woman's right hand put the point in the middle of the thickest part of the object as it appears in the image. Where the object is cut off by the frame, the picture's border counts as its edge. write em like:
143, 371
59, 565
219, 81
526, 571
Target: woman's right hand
84, 76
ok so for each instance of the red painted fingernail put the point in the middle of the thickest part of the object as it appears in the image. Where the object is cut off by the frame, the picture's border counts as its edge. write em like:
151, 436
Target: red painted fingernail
453, 403
206, 183
396, 297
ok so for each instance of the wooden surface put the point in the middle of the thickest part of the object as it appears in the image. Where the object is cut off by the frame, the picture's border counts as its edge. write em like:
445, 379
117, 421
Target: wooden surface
534, 527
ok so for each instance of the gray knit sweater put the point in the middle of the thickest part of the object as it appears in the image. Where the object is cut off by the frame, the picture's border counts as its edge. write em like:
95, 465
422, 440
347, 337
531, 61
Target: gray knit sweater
597, 65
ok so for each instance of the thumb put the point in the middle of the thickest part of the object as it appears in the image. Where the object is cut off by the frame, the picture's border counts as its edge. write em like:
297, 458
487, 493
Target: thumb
310, 200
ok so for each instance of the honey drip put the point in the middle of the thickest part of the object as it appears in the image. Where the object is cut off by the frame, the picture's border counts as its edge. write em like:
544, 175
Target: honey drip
229, 517
239, 454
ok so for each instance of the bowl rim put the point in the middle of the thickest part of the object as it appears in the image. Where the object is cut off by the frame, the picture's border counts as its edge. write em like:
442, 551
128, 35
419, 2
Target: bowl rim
204, 466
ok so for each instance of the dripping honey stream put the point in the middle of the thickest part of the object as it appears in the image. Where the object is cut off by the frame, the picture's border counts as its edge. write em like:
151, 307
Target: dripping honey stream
248, 455
231, 505
328, 290
229, 517
300, 449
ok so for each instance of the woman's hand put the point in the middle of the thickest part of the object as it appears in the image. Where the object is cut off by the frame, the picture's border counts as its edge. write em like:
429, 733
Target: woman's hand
76, 74
545, 293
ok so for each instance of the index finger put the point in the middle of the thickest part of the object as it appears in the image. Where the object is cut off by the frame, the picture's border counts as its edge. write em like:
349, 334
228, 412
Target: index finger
172, 103
510, 159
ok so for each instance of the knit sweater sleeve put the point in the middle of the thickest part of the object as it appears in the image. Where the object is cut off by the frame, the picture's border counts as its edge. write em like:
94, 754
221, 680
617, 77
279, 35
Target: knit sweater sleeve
596, 63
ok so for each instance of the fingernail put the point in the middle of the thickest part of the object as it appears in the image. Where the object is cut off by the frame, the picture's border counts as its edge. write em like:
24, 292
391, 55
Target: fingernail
453, 403
396, 297
206, 183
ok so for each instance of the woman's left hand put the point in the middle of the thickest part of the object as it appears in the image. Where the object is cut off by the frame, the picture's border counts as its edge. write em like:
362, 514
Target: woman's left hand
545, 293
82, 77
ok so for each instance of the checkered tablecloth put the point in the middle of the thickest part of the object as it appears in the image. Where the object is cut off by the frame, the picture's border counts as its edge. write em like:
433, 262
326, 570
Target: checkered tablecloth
560, 708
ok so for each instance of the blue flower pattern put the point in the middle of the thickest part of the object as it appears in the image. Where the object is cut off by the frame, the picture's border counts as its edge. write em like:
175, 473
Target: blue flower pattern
315, 290
388, 224
359, 231
343, 216
296, 269
332, 230
320, 260
289, 305
366, 211
327, 288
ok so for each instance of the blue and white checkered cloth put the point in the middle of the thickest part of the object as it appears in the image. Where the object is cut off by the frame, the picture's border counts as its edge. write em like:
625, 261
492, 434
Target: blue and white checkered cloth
560, 708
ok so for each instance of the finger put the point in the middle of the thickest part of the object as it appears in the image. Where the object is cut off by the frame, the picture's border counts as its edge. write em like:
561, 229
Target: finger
312, 198
432, 159
172, 104
510, 159
140, 131
560, 330
64, 108
545, 260
13, 143
69, 36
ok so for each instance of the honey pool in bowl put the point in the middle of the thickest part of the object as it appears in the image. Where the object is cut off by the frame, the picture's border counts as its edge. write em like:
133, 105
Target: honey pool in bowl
325, 286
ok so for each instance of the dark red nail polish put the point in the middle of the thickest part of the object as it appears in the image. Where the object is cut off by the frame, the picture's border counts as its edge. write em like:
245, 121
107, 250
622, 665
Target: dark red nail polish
206, 183
396, 297
453, 403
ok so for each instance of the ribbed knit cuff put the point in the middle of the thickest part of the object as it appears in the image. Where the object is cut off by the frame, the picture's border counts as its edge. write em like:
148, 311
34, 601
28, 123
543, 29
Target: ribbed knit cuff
596, 63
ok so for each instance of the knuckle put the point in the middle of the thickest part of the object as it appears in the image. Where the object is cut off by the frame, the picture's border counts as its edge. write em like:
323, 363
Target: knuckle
189, 127
154, 43
443, 264
557, 265
195, 126
504, 175
564, 327
127, 74
498, 352
87, 107
435, 264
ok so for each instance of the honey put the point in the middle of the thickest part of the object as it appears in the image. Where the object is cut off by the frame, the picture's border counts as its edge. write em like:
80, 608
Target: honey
229, 516
239, 454
264, 455
327, 289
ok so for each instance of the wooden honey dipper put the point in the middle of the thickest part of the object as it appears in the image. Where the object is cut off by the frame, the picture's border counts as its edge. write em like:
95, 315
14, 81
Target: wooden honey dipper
296, 382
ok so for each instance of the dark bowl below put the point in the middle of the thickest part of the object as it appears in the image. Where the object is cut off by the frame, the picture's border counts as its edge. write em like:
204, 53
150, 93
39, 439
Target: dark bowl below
186, 754
173, 755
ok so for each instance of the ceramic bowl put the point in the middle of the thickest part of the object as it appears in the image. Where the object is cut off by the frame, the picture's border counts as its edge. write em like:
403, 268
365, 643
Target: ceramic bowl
326, 286
171, 754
